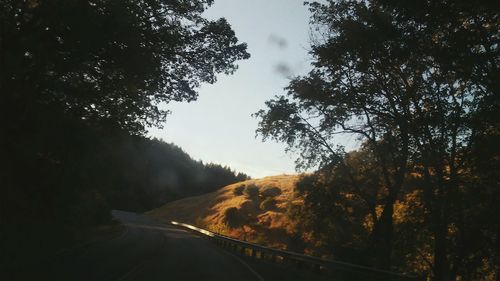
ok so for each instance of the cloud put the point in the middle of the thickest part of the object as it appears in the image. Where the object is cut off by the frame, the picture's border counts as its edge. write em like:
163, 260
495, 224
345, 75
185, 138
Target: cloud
283, 69
276, 40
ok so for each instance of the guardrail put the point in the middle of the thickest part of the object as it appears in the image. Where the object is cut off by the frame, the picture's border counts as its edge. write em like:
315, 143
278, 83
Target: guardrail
337, 269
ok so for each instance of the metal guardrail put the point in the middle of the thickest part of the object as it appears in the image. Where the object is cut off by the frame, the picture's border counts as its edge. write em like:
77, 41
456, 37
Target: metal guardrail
337, 269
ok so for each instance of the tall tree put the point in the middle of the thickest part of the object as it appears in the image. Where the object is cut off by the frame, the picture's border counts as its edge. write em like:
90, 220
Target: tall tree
72, 71
411, 83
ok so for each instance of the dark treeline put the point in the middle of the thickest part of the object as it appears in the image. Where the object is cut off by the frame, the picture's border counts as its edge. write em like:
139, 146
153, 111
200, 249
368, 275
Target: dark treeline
82, 172
417, 84
68, 176
148, 173
80, 81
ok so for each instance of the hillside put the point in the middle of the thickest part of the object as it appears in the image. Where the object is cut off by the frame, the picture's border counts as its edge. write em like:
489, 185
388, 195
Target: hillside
145, 173
237, 211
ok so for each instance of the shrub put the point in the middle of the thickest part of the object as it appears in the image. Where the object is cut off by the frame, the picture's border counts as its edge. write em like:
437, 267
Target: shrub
232, 217
270, 191
268, 204
251, 191
261, 239
239, 190
248, 208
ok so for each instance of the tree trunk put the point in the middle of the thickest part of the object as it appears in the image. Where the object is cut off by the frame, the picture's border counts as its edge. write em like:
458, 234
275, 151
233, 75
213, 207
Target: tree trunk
441, 263
382, 237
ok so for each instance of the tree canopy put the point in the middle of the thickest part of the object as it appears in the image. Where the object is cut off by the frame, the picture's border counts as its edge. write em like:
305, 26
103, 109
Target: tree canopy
80, 83
111, 60
417, 83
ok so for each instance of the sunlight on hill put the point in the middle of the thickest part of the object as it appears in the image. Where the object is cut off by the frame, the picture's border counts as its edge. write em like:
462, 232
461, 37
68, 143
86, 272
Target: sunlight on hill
253, 216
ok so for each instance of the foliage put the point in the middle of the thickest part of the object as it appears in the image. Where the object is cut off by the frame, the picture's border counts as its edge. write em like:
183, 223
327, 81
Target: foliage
80, 82
340, 207
239, 190
261, 240
270, 191
251, 191
112, 60
415, 82
232, 217
268, 204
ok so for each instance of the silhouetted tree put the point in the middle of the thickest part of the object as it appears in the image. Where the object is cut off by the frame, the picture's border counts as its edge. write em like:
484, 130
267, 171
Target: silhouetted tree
110, 60
413, 84
343, 205
77, 79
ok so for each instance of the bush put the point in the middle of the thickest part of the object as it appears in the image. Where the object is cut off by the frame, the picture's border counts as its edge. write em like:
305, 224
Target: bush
268, 204
270, 191
261, 239
232, 217
251, 191
249, 208
239, 190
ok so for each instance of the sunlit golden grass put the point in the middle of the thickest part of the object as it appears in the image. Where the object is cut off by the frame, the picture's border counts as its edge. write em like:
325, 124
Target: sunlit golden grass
269, 227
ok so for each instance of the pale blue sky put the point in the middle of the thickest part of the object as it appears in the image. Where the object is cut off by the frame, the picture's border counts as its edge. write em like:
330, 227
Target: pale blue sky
218, 127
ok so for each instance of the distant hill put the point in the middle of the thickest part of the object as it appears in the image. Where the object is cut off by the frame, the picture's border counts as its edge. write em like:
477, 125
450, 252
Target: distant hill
252, 210
146, 173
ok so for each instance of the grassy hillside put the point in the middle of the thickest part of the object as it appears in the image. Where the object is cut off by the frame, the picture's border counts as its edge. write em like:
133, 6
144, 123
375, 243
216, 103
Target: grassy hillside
239, 210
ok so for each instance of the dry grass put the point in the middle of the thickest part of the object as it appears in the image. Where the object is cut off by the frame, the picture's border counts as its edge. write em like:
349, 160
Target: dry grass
270, 227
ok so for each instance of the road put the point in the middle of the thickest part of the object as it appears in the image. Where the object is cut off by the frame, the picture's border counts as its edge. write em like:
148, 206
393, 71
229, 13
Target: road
148, 250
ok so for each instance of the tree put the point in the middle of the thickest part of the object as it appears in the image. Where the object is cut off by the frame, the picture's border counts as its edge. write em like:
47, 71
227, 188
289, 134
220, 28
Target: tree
251, 191
110, 60
343, 94
102, 64
341, 206
72, 74
413, 85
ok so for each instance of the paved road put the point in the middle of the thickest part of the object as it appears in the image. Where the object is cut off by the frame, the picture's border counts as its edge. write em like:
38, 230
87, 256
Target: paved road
147, 250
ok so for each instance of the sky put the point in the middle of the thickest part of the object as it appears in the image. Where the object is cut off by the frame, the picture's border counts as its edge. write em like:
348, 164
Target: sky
218, 127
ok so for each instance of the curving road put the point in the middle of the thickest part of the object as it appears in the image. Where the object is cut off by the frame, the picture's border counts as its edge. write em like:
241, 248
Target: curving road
147, 250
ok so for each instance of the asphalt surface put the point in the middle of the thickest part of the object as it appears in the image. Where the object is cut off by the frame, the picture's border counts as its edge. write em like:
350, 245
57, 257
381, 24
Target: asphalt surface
148, 250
